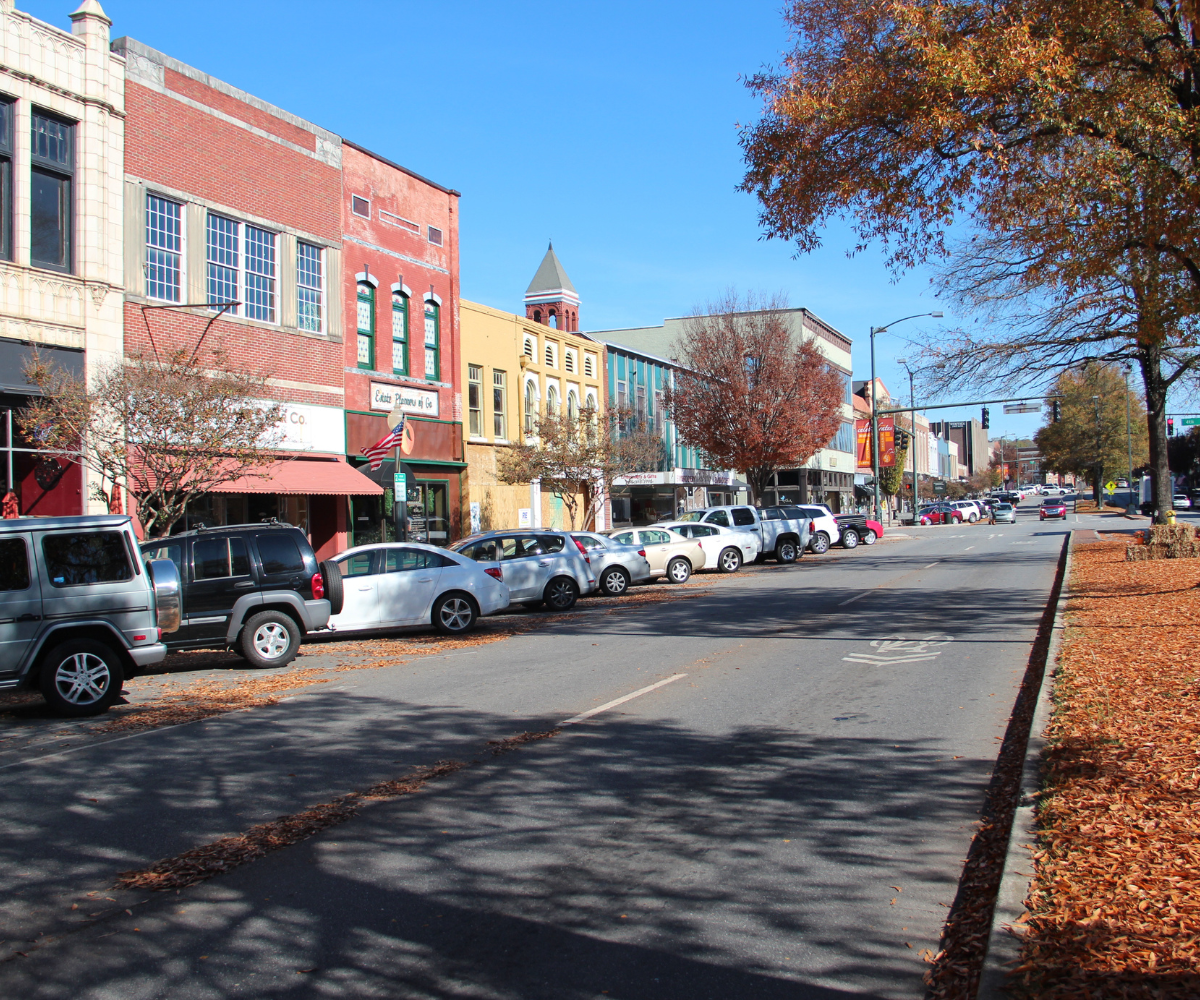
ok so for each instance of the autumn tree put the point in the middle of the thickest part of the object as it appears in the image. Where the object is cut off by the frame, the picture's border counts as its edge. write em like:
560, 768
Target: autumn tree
578, 457
1090, 437
749, 395
167, 430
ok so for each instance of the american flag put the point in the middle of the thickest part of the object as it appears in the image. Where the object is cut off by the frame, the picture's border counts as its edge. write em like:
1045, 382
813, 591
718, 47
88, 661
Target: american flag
379, 450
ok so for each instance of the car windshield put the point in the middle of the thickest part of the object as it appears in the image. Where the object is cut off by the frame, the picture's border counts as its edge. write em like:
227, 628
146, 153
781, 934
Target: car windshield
1001, 507
1051, 503
691, 515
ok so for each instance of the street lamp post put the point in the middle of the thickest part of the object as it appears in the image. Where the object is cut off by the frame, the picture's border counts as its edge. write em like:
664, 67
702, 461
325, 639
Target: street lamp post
936, 314
912, 430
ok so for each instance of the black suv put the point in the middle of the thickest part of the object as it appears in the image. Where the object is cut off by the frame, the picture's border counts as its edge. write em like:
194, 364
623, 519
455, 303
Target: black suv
254, 588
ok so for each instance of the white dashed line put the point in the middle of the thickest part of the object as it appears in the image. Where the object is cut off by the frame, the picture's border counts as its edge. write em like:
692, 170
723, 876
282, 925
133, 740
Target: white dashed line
851, 600
932, 564
619, 701
968, 548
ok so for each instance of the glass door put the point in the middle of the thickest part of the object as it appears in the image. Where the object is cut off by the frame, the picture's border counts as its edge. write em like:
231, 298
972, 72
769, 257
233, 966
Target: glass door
428, 513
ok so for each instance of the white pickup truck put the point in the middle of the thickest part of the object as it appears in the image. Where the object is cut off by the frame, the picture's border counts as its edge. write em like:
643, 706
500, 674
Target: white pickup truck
777, 535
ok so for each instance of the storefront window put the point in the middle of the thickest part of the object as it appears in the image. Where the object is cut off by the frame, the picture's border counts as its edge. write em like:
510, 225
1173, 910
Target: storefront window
428, 510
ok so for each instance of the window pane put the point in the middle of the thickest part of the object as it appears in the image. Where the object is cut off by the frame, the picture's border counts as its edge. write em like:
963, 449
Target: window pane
50, 222
308, 287
357, 565
222, 255
93, 557
164, 241
364, 314
173, 552
431, 340
399, 333
366, 324
498, 405
210, 558
260, 274
51, 141
239, 557
280, 554
14, 564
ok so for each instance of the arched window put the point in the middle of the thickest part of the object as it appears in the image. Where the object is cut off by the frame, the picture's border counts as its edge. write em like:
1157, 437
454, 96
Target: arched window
572, 404
366, 325
591, 406
399, 333
553, 320
551, 399
432, 337
537, 315
530, 407
530, 348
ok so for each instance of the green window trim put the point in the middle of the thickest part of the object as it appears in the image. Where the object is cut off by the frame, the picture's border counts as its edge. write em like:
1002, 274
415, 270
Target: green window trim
400, 333
433, 337
366, 334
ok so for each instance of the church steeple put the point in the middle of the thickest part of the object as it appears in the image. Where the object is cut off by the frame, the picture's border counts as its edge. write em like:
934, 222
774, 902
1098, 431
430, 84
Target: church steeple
551, 299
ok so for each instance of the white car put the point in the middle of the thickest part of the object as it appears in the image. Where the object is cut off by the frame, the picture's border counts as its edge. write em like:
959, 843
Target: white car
724, 548
407, 583
825, 529
970, 509
1180, 501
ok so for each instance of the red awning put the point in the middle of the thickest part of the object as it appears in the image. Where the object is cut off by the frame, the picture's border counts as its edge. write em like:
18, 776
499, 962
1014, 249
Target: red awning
305, 477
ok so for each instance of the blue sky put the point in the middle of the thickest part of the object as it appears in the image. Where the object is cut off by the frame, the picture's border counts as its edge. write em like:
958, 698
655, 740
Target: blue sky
610, 127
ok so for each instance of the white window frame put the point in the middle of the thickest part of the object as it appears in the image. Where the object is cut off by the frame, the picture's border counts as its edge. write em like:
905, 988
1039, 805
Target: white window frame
475, 381
182, 253
322, 298
589, 365
571, 360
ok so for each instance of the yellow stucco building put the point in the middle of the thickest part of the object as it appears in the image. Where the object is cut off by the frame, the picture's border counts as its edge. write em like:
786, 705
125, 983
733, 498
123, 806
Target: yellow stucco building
513, 368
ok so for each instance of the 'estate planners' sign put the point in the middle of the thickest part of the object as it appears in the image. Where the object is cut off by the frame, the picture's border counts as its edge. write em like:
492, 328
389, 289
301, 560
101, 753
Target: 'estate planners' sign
408, 400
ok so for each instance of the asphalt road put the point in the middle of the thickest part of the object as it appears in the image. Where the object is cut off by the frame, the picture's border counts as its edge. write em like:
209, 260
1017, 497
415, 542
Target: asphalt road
786, 816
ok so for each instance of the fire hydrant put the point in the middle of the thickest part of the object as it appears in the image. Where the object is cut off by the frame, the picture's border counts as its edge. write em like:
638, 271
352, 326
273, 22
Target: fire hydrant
1170, 517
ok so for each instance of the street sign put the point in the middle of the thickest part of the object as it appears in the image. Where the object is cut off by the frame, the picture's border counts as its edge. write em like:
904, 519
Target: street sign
1021, 408
1190, 421
939, 486
1110, 486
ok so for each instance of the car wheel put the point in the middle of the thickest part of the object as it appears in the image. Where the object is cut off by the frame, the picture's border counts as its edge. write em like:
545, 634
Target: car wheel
819, 543
614, 581
561, 593
454, 614
679, 570
730, 561
81, 677
869, 537
786, 552
270, 639
849, 539
335, 592
973, 518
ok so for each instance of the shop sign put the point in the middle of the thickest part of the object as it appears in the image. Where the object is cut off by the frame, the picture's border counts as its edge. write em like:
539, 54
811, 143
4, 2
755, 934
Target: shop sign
305, 427
525, 517
643, 479
387, 398
703, 477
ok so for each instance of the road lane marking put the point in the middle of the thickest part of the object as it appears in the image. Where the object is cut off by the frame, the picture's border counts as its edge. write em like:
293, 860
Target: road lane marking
851, 600
898, 649
968, 548
931, 565
619, 701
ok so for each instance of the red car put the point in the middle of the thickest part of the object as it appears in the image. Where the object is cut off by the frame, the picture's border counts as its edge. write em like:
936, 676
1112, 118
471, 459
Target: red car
1052, 508
940, 514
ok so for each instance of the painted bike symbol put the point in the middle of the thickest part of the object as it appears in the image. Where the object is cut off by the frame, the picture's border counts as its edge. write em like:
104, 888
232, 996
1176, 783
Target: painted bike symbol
900, 649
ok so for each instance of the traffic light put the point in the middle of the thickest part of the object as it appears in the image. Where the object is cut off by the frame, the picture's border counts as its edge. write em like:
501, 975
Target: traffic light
1170, 426
985, 422
1055, 412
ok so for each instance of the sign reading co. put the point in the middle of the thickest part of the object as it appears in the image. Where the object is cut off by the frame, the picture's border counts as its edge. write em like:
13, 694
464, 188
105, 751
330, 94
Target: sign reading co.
404, 398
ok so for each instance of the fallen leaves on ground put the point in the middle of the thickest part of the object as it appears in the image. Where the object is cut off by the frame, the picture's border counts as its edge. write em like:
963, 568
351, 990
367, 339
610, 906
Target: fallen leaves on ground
1115, 902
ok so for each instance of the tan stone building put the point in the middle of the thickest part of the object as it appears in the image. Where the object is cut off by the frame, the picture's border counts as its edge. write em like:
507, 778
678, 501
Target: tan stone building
62, 129
515, 367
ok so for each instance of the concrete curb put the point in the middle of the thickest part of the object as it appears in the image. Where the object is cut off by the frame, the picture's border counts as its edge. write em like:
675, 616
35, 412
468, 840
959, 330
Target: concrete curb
1004, 944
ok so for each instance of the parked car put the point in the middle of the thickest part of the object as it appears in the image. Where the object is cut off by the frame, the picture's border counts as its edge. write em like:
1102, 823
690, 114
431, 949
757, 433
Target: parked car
615, 566
778, 532
407, 583
1052, 508
80, 610
855, 528
939, 514
1004, 513
254, 588
538, 567
970, 510
1180, 501
1053, 490
669, 553
724, 549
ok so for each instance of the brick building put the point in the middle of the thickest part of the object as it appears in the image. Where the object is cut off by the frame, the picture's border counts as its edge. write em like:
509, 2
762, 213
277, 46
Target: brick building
230, 199
61, 138
400, 292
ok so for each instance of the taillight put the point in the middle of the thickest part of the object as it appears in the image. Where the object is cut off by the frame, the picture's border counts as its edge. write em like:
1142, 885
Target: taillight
495, 571
318, 586
582, 551
642, 553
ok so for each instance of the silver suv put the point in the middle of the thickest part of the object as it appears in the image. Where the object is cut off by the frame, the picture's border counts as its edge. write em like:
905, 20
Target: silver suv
80, 611
538, 567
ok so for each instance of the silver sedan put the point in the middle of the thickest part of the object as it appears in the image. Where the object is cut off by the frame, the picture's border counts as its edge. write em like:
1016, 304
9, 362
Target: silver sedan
616, 567
1004, 513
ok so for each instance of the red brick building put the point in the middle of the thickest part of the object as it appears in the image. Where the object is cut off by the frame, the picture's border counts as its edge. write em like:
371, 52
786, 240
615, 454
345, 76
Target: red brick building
228, 198
400, 293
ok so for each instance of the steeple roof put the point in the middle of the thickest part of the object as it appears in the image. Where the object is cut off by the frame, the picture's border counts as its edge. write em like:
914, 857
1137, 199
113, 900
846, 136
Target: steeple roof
550, 277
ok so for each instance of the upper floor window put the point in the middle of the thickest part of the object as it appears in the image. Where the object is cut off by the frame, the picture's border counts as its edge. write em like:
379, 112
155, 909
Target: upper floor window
260, 275
51, 208
432, 340
164, 248
310, 287
569, 363
360, 206
551, 355
530, 407
366, 325
6, 156
475, 399
435, 236
221, 252
399, 333
530, 348
589, 365
499, 404
551, 399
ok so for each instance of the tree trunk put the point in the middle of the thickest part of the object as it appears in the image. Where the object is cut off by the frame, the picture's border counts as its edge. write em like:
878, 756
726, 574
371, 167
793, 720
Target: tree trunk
1150, 360
758, 480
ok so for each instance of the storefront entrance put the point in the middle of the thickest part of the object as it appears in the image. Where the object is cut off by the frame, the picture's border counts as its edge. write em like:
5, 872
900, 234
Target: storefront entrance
428, 512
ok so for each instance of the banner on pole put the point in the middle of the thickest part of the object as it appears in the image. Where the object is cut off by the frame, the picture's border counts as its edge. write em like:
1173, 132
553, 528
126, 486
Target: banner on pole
887, 442
862, 429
